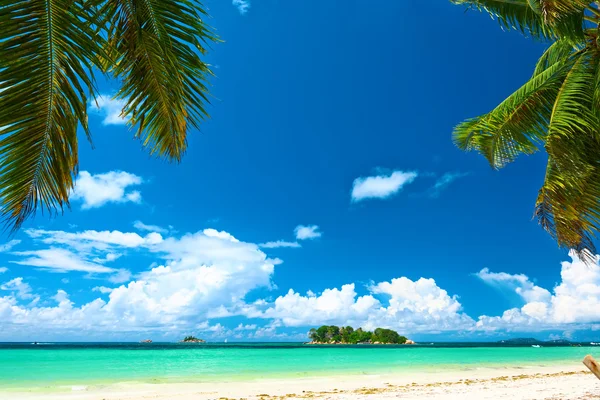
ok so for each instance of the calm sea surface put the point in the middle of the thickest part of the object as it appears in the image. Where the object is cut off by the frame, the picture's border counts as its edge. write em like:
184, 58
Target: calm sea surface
67, 364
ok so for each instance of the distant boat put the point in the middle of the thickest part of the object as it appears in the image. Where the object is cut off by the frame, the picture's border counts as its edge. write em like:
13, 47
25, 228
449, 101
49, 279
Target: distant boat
146, 341
225, 341
535, 345
595, 344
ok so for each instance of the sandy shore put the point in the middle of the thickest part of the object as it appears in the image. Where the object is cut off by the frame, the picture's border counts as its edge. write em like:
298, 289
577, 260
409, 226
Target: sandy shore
554, 383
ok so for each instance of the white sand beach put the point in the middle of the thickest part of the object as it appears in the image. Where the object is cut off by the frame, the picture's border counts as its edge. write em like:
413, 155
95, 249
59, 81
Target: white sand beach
547, 383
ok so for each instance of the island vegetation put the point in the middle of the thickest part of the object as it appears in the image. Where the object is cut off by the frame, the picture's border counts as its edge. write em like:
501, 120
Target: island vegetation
331, 334
192, 339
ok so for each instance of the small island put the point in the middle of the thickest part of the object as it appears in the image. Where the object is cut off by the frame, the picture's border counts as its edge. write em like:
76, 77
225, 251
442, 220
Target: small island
146, 341
192, 339
331, 334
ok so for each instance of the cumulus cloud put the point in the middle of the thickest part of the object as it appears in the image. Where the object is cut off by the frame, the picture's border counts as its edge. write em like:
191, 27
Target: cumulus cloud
204, 274
198, 278
242, 5
307, 232
8, 245
280, 243
111, 187
380, 186
110, 108
140, 226
575, 300
406, 305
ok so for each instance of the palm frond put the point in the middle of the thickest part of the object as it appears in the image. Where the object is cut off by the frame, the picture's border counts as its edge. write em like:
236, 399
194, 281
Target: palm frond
568, 206
519, 124
555, 53
46, 48
520, 15
156, 46
554, 10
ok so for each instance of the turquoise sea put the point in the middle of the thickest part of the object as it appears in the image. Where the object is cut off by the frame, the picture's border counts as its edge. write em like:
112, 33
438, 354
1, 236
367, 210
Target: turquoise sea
58, 365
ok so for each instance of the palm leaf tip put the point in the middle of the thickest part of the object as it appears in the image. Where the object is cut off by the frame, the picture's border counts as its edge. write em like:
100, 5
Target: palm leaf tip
158, 45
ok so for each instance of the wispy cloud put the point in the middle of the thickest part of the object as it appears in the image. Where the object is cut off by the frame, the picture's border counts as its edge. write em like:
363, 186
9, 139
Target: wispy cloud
8, 245
140, 226
60, 260
242, 5
307, 232
3, 270
111, 187
279, 243
380, 186
111, 109
444, 181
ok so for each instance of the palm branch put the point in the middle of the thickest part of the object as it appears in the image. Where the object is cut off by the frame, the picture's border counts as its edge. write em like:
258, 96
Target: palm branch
558, 110
545, 19
49, 52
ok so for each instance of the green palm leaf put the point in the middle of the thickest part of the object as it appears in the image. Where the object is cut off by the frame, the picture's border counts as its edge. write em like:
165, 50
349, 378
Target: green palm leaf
527, 16
46, 47
556, 53
519, 124
569, 197
156, 46
48, 51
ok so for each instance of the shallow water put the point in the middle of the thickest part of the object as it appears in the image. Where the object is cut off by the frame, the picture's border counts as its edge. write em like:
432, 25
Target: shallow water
57, 365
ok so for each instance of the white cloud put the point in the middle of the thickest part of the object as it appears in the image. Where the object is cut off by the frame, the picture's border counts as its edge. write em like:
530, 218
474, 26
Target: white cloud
8, 245
307, 232
59, 260
247, 327
110, 108
280, 243
102, 289
206, 273
242, 5
85, 251
111, 187
3, 270
108, 258
90, 239
120, 276
380, 186
519, 283
408, 306
21, 289
140, 226
201, 277
444, 181
574, 301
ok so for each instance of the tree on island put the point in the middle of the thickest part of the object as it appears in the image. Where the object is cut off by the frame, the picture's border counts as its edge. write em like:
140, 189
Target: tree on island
348, 335
558, 110
192, 339
51, 51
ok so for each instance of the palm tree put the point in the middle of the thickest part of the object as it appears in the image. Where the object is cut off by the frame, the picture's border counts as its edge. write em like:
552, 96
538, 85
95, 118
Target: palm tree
557, 109
49, 53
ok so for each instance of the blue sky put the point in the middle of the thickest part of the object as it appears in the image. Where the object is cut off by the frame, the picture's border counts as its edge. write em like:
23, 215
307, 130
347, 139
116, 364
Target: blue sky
325, 188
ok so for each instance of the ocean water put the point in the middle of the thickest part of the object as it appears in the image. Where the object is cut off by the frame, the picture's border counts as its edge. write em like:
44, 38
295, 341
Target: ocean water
48, 366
